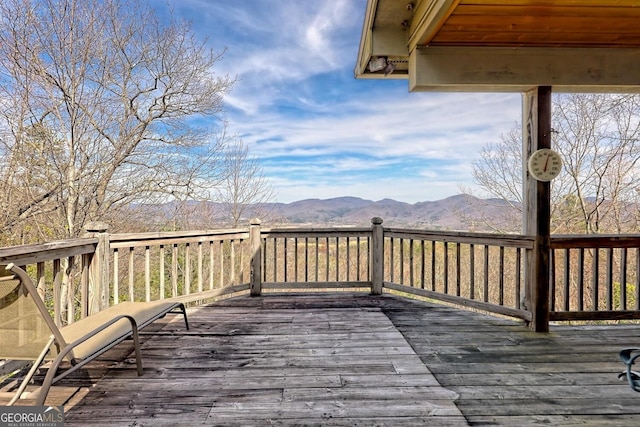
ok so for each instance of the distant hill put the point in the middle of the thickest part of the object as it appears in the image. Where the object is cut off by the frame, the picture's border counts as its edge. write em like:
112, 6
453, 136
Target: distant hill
459, 212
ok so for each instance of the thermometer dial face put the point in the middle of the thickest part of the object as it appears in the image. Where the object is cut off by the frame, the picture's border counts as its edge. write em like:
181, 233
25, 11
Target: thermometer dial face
545, 164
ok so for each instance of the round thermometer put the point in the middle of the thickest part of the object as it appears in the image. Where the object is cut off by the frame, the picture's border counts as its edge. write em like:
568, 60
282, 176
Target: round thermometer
545, 164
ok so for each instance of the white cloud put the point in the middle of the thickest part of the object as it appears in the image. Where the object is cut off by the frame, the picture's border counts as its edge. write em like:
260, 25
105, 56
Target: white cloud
317, 129
399, 129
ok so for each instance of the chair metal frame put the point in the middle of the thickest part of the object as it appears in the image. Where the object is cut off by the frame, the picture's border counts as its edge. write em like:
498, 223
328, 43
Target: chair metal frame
137, 315
628, 356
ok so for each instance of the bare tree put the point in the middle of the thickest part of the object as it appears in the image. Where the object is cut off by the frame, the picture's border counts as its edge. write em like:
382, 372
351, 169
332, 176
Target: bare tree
597, 136
99, 100
244, 183
499, 173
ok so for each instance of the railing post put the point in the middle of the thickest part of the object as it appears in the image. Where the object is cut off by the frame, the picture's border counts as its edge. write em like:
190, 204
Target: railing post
377, 255
255, 281
98, 267
537, 212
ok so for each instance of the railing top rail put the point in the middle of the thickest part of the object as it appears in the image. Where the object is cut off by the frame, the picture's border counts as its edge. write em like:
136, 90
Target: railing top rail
40, 252
125, 240
507, 240
316, 232
565, 241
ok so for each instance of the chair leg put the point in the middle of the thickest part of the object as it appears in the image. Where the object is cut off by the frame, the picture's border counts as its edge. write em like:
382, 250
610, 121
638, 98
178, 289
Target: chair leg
32, 372
50, 378
136, 346
180, 309
183, 310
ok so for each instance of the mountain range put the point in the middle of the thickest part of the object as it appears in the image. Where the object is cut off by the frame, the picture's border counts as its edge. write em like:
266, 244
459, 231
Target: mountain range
459, 212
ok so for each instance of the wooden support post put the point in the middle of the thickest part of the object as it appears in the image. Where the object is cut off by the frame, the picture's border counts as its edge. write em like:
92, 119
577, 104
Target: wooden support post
255, 281
377, 256
98, 292
537, 213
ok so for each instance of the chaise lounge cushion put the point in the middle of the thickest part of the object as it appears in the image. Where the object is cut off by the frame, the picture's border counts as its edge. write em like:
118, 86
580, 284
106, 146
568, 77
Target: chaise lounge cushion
143, 312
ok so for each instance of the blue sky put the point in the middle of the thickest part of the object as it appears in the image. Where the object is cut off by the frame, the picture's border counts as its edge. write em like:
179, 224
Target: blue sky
318, 131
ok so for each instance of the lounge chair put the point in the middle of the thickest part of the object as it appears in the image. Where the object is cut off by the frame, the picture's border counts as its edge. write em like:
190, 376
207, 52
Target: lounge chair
628, 356
28, 332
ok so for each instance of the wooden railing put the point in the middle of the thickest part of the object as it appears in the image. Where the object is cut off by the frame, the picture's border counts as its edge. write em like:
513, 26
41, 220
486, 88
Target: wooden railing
595, 277
187, 266
316, 258
592, 278
62, 274
483, 271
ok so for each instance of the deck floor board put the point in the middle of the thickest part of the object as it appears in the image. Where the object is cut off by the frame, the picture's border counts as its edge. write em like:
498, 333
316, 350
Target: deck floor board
352, 359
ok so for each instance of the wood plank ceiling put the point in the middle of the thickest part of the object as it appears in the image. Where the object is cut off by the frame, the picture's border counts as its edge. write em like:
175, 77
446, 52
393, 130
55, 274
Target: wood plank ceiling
396, 29
540, 23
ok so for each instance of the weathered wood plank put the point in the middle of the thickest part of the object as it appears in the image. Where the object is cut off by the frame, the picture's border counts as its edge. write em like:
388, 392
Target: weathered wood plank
346, 359
554, 420
266, 358
506, 375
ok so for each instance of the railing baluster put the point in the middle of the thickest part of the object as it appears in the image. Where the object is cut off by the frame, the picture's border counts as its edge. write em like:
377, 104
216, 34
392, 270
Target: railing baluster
401, 275
116, 276
147, 273
348, 258
485, 296
306, 259
41, 285
57, 294
211, 266
501, 276
70, 294
637, 307
518, 283
187, 269
162, 275
337, 259
358, 259
392, 261
221, 263
472, 271
422, 265
317, 263
567, 279
275, 260
609, 279
232, 262
623, 278
552, 279
445, 268
411, 261
263, 260
132, 296
326, 250
174, 271
200, 266
458, 272
595, 270
286, 264
580, 279
243, 243
296, 261
84, 285
433, 265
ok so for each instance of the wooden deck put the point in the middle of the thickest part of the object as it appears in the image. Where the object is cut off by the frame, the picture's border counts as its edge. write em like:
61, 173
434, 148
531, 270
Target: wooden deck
354, 359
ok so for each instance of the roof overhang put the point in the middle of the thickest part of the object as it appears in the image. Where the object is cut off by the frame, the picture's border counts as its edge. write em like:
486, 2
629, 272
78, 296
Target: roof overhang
503, 45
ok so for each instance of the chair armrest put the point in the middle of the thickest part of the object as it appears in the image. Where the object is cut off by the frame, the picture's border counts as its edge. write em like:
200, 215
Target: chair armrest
627, 355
